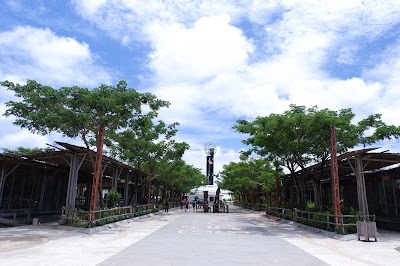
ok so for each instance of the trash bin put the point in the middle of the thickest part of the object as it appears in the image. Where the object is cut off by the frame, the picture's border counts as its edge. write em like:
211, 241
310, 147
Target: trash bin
35, 221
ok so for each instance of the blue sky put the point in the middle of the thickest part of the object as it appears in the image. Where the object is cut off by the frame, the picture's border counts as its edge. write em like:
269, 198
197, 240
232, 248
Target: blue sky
215, 61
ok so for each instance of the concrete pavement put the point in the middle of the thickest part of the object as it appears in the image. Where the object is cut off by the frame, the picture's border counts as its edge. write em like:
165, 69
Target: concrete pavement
181, 238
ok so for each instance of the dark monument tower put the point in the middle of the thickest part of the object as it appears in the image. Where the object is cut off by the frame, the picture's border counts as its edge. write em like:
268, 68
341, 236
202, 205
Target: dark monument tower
210, 150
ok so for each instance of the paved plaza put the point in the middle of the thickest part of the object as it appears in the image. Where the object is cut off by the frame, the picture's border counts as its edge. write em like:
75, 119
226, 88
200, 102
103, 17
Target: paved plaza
240, 237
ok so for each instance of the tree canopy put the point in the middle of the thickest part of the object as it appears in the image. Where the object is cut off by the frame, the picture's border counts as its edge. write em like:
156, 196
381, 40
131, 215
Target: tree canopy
26, 151
248, 177
150, 146
78, 112
128, 118
301, 136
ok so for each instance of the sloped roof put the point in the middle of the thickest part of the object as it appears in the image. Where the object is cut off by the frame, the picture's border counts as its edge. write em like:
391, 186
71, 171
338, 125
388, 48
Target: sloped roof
372, 161
61, 158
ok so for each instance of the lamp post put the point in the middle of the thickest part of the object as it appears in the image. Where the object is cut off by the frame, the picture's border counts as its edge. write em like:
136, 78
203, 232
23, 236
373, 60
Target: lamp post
210, 149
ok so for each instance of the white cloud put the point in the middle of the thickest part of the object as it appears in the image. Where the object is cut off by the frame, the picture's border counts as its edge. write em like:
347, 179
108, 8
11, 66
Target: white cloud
89, 7
23, 138
210, 47
213, 69
122, 17
386, 73
39, 54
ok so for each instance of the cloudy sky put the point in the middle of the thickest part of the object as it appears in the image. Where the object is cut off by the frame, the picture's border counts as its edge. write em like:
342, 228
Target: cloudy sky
215, 61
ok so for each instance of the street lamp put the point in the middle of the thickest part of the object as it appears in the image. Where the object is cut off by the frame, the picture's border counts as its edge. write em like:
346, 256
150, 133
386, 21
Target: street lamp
210, 149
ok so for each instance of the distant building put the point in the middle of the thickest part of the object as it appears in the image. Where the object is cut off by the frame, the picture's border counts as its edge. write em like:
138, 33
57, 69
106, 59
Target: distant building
197, 193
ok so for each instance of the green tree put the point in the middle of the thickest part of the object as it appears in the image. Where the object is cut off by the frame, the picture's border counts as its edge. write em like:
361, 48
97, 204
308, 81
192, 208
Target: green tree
26, 151
249, 179
301, 136
80, 112
185, 177
146, 145
179, 178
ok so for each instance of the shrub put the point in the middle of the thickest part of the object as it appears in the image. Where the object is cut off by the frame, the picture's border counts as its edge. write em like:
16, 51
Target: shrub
310, 206
113, 197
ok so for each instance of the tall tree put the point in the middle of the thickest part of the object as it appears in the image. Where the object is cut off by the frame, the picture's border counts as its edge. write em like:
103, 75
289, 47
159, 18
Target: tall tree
79, 112
146, 144
248, 178
300, 136
181, 177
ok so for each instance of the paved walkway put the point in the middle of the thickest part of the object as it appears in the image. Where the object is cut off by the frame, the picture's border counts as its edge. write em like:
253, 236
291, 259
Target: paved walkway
187, 238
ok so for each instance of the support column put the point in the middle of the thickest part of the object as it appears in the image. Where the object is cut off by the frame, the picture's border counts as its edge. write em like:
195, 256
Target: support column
361, 190
42, 190
3, 175
302, 190
116, 174
126, 189
2, 182
72, 181
277, 184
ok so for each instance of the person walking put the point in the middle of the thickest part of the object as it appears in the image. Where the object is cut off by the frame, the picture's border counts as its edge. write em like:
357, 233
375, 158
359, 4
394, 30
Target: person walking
194, 205
182, 203
187, 205
166, 205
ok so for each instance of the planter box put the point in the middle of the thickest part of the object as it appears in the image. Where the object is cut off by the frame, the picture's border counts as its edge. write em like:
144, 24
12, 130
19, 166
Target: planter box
366, 230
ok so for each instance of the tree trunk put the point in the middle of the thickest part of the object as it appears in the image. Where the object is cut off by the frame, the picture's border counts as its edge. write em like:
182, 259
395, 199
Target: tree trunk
296, 186
253, 199
156, 194
303, 191
101, 200
148, 200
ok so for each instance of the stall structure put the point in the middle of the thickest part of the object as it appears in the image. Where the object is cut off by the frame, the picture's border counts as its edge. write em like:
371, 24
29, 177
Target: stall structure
40, 184
369, 181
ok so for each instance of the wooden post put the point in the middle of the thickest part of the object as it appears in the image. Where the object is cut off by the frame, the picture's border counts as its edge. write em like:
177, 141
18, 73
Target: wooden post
72, 181
2, 181
327, 221
361, 191
3, 175
277, 184
334, 177
126, 189
42, 190
97, 170
148, 189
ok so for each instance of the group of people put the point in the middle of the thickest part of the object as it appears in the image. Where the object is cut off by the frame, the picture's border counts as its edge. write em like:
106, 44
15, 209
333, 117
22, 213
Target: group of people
185, 205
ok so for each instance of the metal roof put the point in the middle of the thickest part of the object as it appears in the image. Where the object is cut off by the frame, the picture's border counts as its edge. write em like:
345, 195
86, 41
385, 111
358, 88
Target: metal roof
372, 161
61, 159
